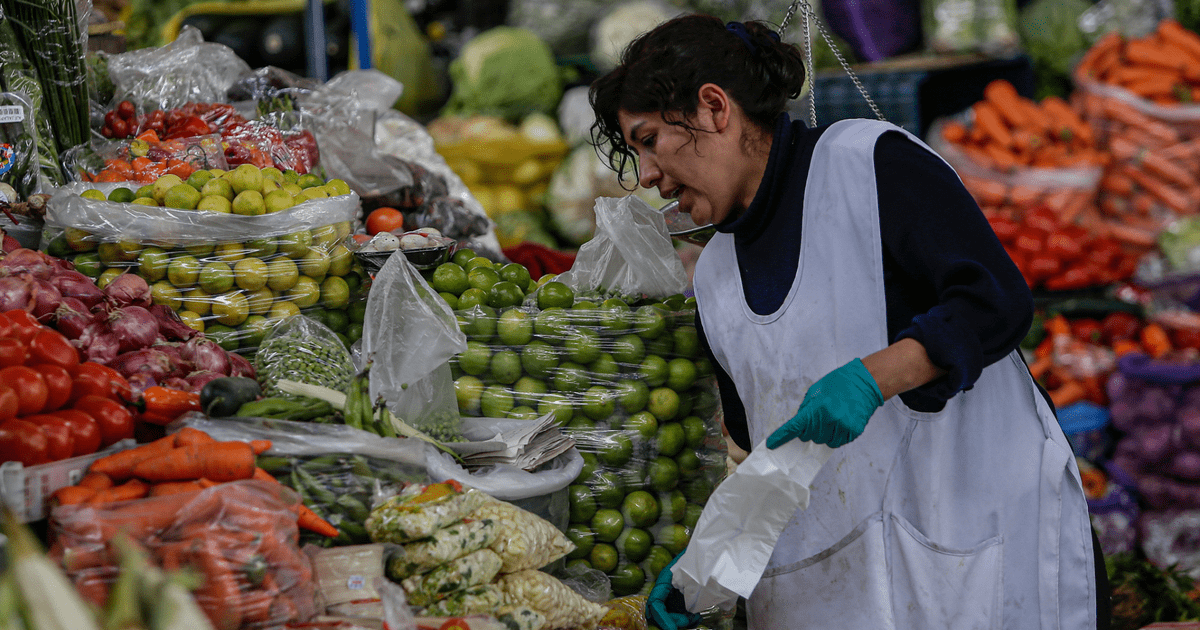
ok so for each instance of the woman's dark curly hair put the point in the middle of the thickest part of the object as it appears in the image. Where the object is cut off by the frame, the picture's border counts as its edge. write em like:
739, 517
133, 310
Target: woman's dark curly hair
662, 71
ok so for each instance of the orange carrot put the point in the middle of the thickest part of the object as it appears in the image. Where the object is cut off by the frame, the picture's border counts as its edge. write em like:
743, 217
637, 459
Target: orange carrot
220, 594
1173, 198
1041, 366
1000, 155
306, 518
1068, 393
1125, 114
260, 446
96, 481
1174, 33
1122, 347
1155, 340
989, 121
71, 495
119, 466
954, 132
1123, 149
132, 489
1147, 53
218, 461
1007, 102
263, 475
174, 487
188, 436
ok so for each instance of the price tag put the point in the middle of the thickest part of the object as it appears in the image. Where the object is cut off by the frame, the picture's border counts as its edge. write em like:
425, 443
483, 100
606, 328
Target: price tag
356, 583
11, 113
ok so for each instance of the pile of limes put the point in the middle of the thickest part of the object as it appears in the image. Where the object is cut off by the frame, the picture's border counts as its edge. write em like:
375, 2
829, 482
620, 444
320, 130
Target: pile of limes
234, 291
624, 375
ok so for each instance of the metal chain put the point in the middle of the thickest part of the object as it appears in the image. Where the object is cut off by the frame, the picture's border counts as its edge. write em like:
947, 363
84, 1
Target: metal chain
807, 12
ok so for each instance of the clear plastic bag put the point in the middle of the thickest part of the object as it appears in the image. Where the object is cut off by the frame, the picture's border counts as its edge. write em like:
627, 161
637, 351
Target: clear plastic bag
187, 70
473, 569
562, 607
240, 536
525, 540
446, 544
303, 350
409, 336
631, 252
20, 76
112, 160
1169, 539
420, 510
19, 162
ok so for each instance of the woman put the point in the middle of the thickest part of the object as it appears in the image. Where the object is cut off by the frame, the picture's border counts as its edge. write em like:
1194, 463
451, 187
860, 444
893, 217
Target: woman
855, 296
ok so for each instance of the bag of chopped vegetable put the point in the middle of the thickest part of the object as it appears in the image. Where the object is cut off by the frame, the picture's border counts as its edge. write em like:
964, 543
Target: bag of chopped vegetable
231, 275
409, 336
339, 472
562, 607
239, 536
473, 569
19, 166
444, 545
523, 540
419, 510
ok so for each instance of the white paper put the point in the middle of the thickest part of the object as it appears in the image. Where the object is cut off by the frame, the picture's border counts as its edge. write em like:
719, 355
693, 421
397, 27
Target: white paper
742, 521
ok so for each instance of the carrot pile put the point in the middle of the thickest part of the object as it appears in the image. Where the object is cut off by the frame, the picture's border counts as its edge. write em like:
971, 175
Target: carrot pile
184, 462
1162, 67
240, 537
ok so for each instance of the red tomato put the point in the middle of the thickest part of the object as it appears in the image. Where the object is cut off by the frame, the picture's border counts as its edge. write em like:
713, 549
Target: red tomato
58, 384
115, 420
1042, 266
1120, 325
31, 389
1087, 329
1061, 245
1006, 229
126, 110
84, 428
49, 346
9, 403
1185, 338
60, 439
90, 379
24, 324
23, 442
384, 220
118, 387
12, 352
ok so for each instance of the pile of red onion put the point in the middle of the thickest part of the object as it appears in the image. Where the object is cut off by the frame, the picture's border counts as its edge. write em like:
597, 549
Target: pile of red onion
117, 326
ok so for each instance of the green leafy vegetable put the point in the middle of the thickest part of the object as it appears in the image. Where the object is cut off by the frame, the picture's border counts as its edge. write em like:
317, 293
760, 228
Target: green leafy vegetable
507, 72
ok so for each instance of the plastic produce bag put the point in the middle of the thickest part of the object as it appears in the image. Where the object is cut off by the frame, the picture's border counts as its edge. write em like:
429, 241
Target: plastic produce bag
420, 510
97, 158
1169, 539
19, 165
241, 537
446, 544
562, 607
631, 252
303, 350
524, 540
187, 70
409, 335
959, 26
473, 569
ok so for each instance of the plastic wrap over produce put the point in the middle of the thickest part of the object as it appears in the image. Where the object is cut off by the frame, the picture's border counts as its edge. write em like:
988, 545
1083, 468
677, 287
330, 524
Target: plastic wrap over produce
19, 162
302, 350
187, 70
240, 537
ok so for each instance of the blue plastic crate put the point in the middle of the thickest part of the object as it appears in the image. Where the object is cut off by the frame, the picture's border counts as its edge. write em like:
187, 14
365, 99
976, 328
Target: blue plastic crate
898, 95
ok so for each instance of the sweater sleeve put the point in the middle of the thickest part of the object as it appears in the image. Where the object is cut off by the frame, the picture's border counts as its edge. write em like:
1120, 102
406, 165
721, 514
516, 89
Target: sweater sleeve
958, 291
733, 412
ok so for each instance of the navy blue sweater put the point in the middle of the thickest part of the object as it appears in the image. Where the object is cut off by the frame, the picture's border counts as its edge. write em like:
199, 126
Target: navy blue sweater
948, 282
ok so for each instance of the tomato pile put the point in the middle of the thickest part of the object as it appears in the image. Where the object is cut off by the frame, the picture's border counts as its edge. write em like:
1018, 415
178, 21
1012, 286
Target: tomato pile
52, 406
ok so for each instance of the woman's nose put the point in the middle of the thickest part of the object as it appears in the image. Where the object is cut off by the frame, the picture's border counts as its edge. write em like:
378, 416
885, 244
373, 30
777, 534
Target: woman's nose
648, 173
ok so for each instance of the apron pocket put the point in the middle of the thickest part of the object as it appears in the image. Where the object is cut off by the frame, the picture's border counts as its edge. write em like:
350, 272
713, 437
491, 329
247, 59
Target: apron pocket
844, 586
938, 587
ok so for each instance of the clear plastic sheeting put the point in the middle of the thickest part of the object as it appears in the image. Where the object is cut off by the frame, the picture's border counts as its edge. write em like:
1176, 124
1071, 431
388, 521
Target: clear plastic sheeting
187, 70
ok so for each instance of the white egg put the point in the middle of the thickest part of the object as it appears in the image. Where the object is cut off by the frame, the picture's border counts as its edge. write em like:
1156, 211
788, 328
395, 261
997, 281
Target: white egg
382, 242
414, 241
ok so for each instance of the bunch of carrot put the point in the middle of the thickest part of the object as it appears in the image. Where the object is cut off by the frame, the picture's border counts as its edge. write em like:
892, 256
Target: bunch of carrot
239, 537
184, 462
1162, 67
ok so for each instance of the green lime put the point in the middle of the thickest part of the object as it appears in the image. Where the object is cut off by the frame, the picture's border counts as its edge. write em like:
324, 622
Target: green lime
181, 197
691, 515
664, 346
305, 293
615, 316
632, 395
697, 489
662, 474
608, 524
468, 390
504, 294
506, 367
607, 487
582, 345
581, 422
689, 463
635, 543
282, 274
583, 537
476, 359
656, 561
152, 264
480, 322
615, 450
627, 579
225, 336
515, 273
471, 298
231, 308
664, 403
583, 504
539, 359
640, 509
644, 423
528, 391
552, 325
462, 256
694, 431
681, 374
216, 277
674, 538
598, 403
163, 292
523, 412
183, 271
653, 370
515, 327
604, 557
590, 466
483, 278
705, 403
108, 275
496, 402
357, 312
261, 301
121, 195
450, 299
450, 278
649, 322
571, 377
629, 349
560, 406
555, 294
674, 505
335, 293
578, 566
605, 369
686, 341
670, 439
255, 330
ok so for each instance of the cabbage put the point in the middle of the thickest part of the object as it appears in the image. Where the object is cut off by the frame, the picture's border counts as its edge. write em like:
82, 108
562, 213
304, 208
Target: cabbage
622, 25
1051, 35
506, 72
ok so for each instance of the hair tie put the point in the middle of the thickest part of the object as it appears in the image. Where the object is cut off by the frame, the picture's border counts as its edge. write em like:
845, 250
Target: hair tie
739, 29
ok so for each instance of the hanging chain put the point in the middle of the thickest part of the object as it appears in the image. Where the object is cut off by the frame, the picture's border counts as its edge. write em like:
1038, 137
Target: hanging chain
808, 13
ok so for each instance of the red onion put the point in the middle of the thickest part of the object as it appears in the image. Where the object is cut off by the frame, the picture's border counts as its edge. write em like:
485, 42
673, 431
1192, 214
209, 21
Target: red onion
16, 292
169, 324
128, 289
152, 363
28, 261
197, 380
181, 367
102, 349
206, 355
177, 383
240, 365
139, 383
46, 299
134, 328
76, 285
72, 318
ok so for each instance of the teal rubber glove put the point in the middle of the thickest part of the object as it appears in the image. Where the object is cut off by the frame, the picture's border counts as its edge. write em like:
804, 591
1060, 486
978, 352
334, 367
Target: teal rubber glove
665, 607
835, 409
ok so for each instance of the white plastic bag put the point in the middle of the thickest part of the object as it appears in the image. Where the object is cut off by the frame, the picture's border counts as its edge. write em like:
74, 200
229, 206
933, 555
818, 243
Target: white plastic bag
409, 336
630, 253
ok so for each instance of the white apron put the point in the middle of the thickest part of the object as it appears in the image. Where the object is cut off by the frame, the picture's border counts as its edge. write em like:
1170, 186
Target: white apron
969, 518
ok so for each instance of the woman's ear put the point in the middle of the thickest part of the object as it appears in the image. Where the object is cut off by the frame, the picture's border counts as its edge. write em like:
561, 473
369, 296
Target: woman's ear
713, 107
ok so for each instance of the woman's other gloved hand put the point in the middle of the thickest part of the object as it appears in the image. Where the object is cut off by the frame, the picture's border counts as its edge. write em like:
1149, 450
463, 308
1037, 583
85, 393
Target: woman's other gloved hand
835, 409
664, 607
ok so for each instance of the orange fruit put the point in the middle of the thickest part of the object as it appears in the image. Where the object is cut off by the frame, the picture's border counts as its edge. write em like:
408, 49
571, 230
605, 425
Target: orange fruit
384, 220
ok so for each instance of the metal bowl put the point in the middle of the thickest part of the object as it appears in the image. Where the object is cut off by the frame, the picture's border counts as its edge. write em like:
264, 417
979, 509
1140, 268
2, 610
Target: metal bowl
681, 227
421, 258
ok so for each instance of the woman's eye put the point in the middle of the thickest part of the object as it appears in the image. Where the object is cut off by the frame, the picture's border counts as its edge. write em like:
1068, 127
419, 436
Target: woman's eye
648, 142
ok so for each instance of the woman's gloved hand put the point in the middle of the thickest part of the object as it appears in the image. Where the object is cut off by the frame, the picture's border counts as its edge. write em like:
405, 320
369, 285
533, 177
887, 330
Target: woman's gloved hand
835, 409
665, 608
